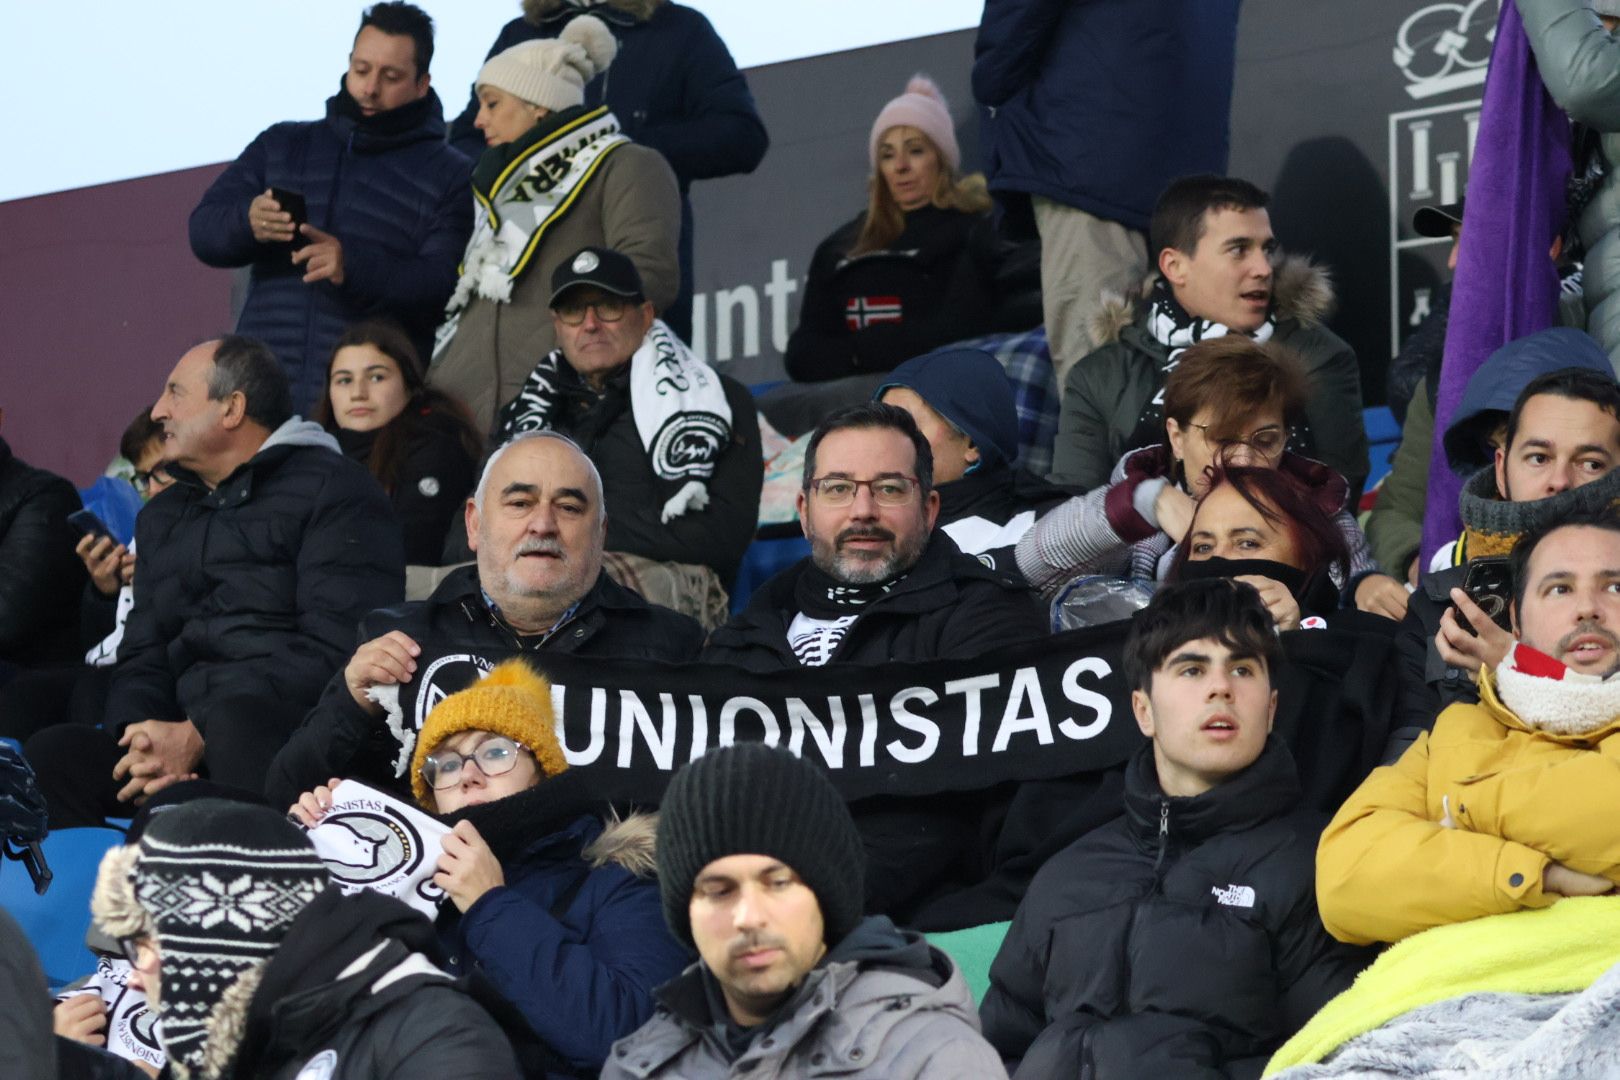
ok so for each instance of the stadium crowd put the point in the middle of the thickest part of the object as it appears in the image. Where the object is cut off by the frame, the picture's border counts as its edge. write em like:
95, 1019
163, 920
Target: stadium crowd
445, 736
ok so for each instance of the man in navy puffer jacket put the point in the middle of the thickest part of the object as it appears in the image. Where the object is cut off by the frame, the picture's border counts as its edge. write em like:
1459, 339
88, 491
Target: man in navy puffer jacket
388, 207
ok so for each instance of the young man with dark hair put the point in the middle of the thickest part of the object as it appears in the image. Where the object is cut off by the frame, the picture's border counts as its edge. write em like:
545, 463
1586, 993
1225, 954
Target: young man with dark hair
1182, 940
385, 208
255, 567
1509, 803
1216, 271
1557, 453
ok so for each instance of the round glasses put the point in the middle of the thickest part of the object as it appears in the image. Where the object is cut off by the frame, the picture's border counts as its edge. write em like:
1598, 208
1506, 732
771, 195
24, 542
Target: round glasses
608, 309
494, 757
886, 490
139, 951
1268, 440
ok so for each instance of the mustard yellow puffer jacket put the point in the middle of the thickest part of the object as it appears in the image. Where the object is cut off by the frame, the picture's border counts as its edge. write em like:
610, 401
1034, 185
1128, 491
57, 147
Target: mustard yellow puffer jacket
1387, 867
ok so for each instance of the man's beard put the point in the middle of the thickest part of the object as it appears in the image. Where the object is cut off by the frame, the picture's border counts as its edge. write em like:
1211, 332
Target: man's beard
858, 568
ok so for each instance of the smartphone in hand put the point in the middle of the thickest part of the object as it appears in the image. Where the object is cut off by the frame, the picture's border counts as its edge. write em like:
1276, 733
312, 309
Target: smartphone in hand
292, 202
1489, 583
86, 522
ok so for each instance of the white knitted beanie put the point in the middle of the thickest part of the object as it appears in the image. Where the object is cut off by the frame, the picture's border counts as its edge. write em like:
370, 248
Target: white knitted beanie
552, 73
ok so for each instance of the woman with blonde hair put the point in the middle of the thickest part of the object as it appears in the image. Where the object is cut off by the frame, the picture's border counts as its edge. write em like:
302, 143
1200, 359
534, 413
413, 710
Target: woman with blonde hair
916, 269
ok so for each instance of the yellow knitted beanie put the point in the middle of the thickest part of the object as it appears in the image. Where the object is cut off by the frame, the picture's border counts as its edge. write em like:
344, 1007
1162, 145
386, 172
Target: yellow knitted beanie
513, 700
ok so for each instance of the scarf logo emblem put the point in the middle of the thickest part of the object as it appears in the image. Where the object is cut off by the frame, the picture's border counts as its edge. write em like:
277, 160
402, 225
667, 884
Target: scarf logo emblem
323, 1066
688, 445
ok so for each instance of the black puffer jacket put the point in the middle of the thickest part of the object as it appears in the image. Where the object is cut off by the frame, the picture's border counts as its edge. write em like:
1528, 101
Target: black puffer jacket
338, 738
949, 605
253, 588
355, 992
1183, 940
40, 577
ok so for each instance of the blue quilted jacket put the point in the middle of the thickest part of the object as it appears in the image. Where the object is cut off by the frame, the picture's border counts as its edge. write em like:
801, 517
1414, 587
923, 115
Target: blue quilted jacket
388, 188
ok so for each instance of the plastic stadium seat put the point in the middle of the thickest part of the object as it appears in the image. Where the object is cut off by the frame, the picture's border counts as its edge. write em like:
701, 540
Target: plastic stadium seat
762, 560
1383, 436
56, 921
973, 949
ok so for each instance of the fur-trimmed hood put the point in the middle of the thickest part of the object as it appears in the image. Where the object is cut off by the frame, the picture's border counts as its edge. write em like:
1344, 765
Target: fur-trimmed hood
539, 12
1301, 290
630, 841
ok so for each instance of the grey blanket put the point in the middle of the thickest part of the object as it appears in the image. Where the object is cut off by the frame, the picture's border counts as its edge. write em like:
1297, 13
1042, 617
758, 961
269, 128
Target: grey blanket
1489, 1037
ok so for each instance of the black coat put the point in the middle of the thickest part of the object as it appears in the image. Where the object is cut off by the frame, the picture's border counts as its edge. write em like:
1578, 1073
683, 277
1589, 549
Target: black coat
1183, 940
435, 478
716, 536
949, 605
1428, 683
252, 589
338, 738
418, 1024
40, 577
991, 497
937, 280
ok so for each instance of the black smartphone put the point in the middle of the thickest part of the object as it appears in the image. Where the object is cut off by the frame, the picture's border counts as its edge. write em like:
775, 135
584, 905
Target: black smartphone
1489, 583
89, 525
292, 202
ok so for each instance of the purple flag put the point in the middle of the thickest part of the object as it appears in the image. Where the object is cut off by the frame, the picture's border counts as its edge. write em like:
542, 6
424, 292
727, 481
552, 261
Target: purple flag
1506, 285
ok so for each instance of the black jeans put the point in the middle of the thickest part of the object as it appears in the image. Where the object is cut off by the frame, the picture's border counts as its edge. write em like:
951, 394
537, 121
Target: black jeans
74, 763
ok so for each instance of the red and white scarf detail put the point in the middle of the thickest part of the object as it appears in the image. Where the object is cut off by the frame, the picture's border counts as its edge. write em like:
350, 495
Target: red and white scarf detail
1548, 696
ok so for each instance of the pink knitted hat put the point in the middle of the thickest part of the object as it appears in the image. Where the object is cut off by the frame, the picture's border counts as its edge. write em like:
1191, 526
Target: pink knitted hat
922, 106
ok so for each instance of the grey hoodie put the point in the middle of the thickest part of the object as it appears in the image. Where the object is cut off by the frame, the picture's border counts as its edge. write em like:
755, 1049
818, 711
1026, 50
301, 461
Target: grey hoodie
882, 1005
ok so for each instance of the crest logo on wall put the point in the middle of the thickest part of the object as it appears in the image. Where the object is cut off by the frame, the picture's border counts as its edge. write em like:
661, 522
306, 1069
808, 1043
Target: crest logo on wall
1442, 51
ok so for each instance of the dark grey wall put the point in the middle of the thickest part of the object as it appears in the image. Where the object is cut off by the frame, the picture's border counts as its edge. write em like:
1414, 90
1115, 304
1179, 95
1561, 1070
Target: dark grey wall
1319, 110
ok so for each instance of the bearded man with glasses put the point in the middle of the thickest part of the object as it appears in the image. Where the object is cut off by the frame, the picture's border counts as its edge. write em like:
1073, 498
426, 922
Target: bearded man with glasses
882, 584
676, 442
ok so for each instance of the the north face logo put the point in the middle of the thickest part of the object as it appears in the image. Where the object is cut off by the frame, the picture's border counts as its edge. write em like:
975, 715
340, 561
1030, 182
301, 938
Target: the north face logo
1235, 895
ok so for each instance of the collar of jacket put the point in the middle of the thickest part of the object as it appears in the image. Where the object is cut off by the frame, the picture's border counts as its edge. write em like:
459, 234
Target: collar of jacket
559, 819
929, 585
1301, 292
997, 492
1266, 789
461, 587
553, 14
875, 943
1492, 525
1491, 702
494, 161
416, 121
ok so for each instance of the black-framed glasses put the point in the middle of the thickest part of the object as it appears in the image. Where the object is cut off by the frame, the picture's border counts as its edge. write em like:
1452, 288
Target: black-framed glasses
138, 949
1268, 440
143, 479
494, 757
886, 490
607, 308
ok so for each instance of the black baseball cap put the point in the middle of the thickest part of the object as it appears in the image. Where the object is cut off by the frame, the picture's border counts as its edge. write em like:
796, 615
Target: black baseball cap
1437, 220
604, 268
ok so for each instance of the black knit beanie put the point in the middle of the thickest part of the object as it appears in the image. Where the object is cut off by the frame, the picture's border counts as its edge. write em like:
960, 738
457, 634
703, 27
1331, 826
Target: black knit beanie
752, 799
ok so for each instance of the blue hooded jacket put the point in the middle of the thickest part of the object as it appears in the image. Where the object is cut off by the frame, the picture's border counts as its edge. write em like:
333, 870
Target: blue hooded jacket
1503, 376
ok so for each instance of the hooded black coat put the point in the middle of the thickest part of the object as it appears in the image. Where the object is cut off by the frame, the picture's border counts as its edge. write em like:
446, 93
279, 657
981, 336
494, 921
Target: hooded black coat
1182, 940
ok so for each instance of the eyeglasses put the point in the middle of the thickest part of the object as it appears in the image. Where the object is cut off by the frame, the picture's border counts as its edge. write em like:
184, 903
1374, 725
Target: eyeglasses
144, 480
139, 951
1268, 440
608, 309
494, 757
886, 490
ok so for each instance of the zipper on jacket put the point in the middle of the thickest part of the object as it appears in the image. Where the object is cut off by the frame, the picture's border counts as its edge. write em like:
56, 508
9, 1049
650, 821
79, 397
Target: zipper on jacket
1164, 835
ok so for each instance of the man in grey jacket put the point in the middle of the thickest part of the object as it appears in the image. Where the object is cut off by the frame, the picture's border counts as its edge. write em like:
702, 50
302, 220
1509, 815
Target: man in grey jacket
761, 871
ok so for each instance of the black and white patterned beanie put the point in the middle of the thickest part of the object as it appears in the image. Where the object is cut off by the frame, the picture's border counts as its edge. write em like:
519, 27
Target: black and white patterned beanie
215, 884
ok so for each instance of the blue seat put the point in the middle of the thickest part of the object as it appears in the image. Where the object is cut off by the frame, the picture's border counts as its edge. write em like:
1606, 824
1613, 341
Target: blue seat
55, 922
1383, 436
763, 560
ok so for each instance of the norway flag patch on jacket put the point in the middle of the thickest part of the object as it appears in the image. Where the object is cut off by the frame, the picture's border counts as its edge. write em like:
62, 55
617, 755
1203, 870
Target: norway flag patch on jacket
862, 311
